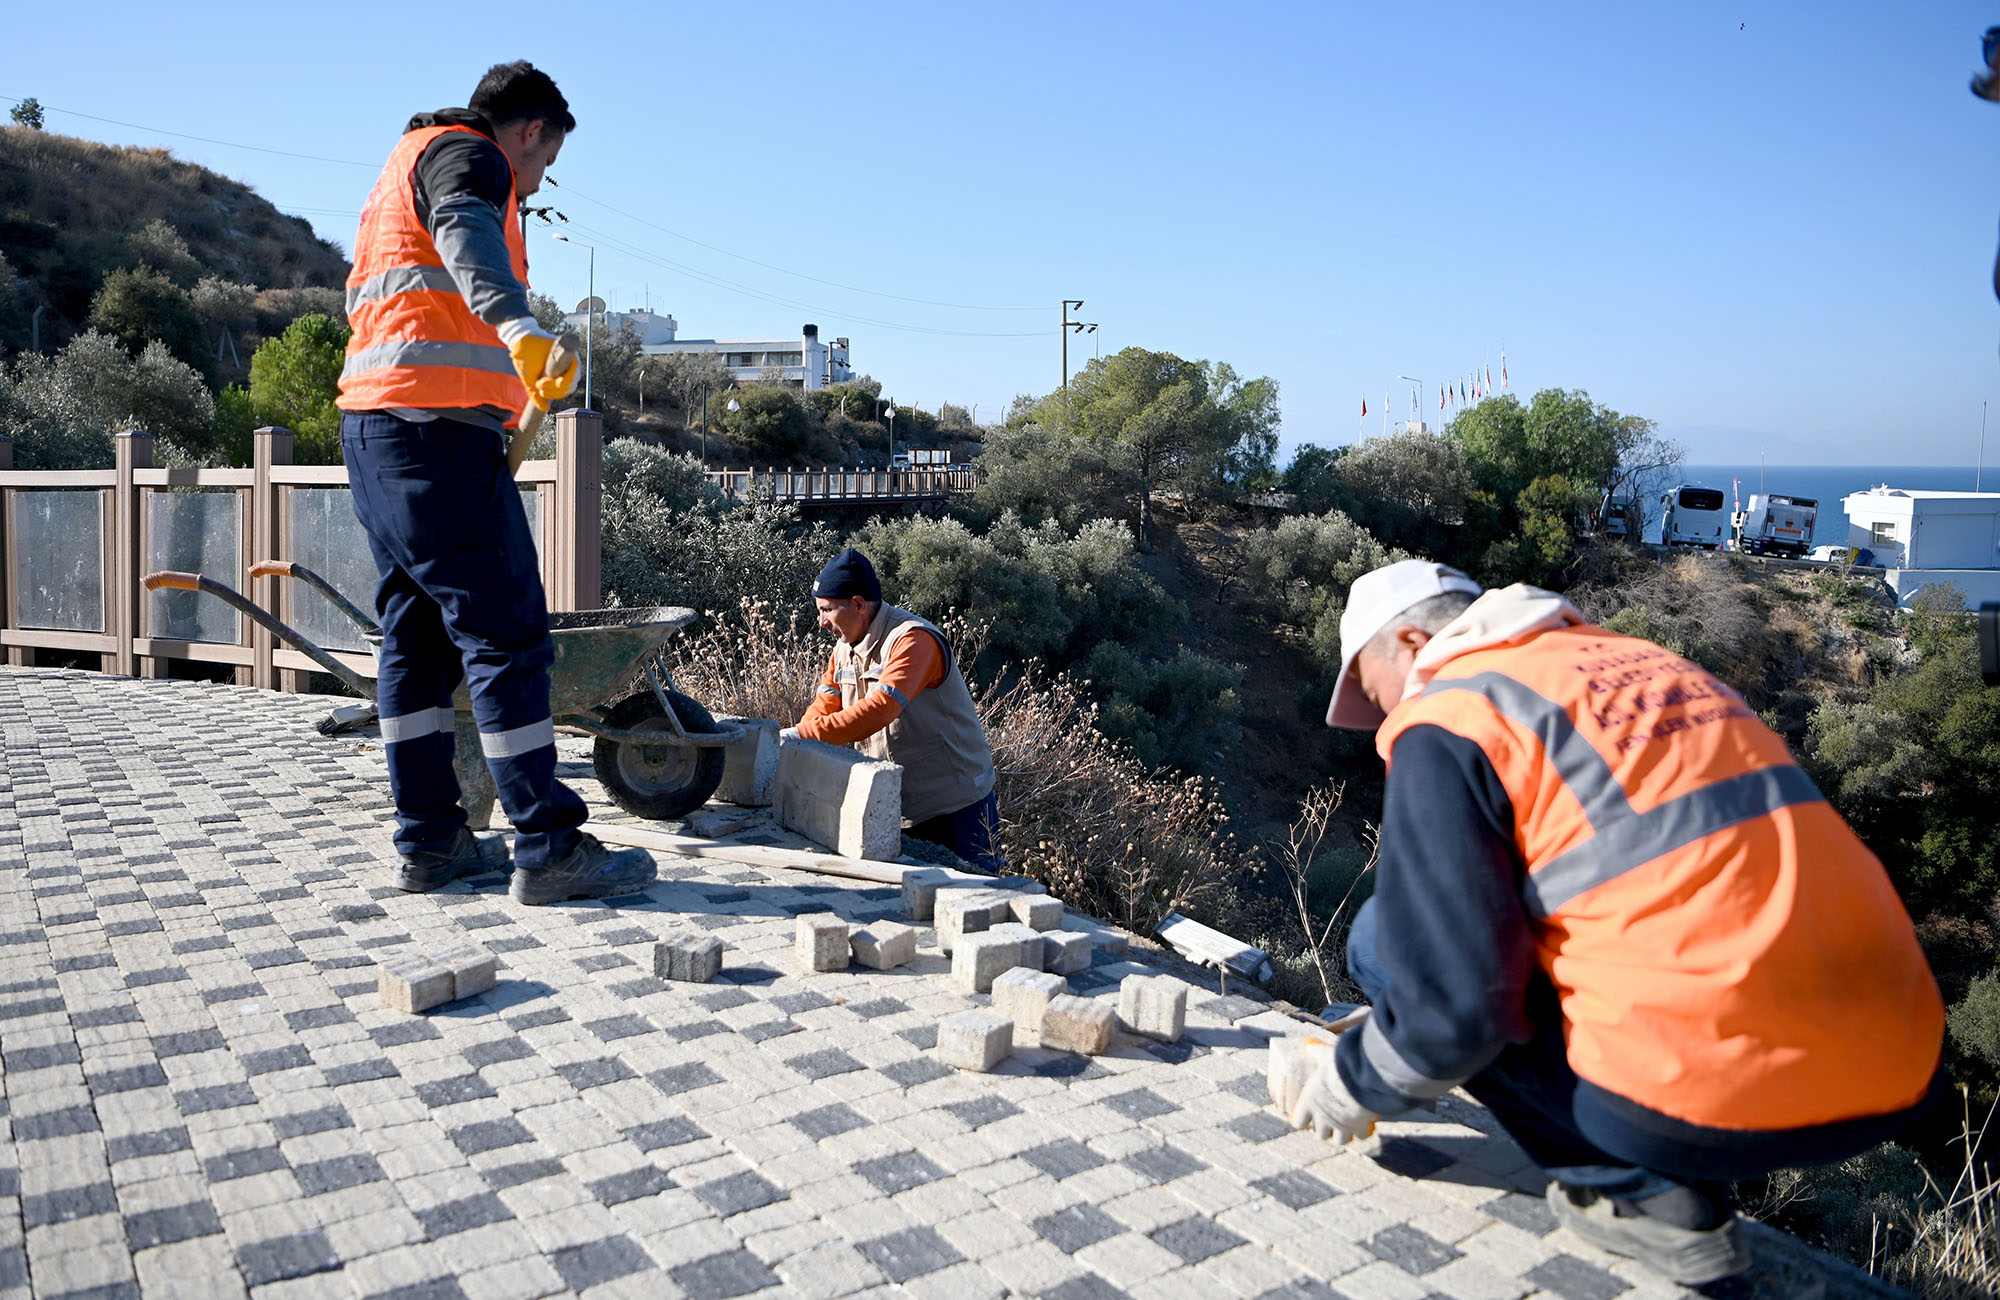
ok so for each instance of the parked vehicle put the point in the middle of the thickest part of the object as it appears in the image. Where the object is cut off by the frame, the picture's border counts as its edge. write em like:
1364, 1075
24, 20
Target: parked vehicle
1616, 516
1694, 516
1836, 554
1775, 524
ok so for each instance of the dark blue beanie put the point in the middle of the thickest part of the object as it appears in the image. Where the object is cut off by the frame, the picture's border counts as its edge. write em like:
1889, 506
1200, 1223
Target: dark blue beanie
848, 574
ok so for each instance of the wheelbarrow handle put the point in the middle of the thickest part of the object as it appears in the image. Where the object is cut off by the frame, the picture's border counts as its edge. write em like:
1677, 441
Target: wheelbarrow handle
271, 569
249, 609
293, 569
171, 579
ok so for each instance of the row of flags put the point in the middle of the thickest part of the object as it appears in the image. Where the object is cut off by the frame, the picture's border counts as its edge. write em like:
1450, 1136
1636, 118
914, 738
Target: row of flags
1464, 391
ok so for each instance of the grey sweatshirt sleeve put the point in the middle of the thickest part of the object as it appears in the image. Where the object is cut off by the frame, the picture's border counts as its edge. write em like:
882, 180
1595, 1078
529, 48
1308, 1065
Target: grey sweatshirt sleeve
473, 244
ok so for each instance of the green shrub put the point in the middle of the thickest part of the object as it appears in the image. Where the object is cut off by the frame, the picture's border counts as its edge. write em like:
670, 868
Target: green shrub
1305, 565
139, 305
1177, 713
62, 410
1975, 1021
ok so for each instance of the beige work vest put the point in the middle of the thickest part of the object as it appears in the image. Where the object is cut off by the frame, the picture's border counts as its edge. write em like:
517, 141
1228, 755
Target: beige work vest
937, 740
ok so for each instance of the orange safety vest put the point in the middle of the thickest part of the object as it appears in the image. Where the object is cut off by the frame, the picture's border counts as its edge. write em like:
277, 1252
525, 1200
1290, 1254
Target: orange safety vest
1726, 950
415, 343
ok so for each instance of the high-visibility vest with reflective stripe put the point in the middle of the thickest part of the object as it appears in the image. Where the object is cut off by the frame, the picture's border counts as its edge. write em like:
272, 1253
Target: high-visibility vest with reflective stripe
1726, 950
415, 343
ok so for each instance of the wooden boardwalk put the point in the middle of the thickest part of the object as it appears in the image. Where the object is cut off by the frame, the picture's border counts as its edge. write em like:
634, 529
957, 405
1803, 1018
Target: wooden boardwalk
808, 487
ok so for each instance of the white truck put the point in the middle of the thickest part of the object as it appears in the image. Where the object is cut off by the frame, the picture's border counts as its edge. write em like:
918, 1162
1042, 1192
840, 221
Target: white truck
1775, 524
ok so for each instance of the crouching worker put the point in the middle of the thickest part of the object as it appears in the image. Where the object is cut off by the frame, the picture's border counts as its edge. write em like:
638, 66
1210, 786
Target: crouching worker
1613, 909
894, 688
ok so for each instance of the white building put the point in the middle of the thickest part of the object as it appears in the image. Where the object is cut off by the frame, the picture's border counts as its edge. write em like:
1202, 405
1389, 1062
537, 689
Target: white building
806, 361
1924, 538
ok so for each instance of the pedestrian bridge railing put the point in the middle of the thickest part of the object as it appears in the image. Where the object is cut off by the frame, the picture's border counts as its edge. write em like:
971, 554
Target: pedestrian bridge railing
835, 486
74, 544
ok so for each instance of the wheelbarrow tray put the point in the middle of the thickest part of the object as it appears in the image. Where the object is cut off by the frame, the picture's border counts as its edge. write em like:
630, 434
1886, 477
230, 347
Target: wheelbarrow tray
599, 653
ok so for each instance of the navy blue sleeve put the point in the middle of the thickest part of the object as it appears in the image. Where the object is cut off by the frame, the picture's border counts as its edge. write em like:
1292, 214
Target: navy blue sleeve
1452, 942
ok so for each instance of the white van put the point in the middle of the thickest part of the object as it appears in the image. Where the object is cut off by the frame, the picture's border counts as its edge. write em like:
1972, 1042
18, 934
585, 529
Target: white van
1694, 516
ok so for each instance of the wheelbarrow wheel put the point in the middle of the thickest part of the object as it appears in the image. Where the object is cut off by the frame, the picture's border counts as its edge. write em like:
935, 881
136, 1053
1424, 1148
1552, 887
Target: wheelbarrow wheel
662, 781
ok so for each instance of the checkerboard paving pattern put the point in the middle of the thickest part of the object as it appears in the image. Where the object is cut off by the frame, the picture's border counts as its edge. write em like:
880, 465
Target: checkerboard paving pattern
201, 1094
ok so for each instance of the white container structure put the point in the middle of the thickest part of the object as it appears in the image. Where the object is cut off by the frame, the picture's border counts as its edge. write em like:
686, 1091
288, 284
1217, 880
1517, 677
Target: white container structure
1926, 538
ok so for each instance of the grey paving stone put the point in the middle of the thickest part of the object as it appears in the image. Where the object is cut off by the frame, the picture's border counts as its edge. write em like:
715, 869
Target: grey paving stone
910, 1253
1572, 1279
824, 1064
738, 1192
1063, 1158
630, 1185
525, 1171
438, 1288
289, 1057
405, 1032
1088, 1287
138, 1145
614, 1028
1258, 1126
899, 1172
454, 1217
1195, 1239
338, 1173
193, 1041
360, 1072
921, 1069
1163, 1164
676, 1079
493, 1052
450, 1092
537, 1018
723, 999
600, 1261
665, 1133
827, 1121
152, 1228
305, 1123
768, 1029
220, 1096
719, 1277
235, 993
1411, 1158
1076, 1226
1141, 1103
243, 1164
490, 1135
587, 1074
1295, 1188
1303, 1289
283, 1258
1528, 1213
688, 1031
1411, 1249
793, 1004
69, 1204
20, 1060
982, 1111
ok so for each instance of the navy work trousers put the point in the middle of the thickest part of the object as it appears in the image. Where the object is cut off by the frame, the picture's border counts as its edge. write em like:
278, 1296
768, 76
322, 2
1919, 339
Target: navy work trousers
460, 595
1586, 1136
973, 833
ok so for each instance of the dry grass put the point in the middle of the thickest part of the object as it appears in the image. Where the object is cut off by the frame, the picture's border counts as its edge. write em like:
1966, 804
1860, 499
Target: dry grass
1305, 842
1953, 1250
753, 666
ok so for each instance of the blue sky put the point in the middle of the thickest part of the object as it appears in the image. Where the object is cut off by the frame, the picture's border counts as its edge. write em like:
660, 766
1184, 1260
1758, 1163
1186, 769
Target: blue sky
1762, 225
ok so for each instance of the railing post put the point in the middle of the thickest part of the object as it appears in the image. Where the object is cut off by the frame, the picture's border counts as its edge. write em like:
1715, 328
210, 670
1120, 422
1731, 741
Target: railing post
271, 446
579, 539
6, 451
132, 450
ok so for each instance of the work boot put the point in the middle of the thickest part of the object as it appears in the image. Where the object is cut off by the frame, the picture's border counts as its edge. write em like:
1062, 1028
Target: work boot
465, 854
590, 871
1685, 1235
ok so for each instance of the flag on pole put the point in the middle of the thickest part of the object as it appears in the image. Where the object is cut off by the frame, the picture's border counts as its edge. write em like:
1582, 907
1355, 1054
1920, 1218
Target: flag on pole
1364, 407
1503, 368
1489, 379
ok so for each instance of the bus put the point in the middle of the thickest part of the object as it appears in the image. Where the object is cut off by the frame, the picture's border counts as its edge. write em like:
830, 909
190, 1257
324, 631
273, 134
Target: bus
1694, 516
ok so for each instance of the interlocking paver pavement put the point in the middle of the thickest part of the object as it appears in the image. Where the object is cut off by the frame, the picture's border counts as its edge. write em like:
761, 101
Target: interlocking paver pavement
201, 1093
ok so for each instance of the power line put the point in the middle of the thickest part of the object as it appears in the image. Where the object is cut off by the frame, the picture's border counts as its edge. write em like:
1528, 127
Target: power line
832, 284
226, 144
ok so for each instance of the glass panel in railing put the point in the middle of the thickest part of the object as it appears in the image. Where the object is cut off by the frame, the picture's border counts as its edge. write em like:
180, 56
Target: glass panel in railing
328, 539
531, 499
195, 531
58, 548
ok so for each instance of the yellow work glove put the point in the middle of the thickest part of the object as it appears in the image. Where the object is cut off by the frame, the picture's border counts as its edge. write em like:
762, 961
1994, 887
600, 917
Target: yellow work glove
529, 345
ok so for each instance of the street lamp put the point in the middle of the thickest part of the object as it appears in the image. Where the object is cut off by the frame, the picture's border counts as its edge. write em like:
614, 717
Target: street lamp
589, 329
1067, 326
1419, 398
891, 413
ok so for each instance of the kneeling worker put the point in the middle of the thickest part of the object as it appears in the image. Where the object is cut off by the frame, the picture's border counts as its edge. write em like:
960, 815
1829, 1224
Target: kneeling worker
1613, 909
893, 687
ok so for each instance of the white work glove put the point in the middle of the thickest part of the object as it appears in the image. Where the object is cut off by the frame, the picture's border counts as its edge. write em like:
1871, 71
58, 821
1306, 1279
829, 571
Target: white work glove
789, 733
1329, 1109
1291, 1061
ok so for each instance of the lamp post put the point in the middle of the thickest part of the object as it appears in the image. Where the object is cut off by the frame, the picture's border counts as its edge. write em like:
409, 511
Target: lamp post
1419, 398
590, 321
891, 413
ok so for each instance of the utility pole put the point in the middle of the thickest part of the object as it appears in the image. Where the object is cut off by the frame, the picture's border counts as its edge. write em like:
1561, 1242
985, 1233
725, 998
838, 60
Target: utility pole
1067, 326
1979, 474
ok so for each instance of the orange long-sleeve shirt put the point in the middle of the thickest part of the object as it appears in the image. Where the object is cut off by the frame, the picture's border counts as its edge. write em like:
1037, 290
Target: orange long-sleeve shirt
914, 666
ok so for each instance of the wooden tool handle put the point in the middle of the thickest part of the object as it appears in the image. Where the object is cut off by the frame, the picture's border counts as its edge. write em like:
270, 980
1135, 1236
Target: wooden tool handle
561, 357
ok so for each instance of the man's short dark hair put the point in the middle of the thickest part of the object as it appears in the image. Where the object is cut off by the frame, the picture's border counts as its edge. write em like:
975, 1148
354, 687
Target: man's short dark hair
521, 92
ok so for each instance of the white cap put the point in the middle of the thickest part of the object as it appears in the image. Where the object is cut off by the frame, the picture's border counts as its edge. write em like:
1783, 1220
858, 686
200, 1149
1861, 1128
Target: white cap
1373, 603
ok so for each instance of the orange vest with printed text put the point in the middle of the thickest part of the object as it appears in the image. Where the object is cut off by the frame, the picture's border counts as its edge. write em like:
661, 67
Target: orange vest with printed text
415, 343
1726, 950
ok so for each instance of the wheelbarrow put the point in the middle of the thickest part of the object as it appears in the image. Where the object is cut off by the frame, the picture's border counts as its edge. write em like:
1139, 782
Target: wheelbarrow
658, 752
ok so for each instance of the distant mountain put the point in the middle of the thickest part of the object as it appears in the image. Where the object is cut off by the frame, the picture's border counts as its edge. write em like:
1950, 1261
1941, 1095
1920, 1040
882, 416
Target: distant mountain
72, 210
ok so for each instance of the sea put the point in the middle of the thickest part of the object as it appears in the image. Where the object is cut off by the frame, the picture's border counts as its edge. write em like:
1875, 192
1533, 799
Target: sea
1826, 484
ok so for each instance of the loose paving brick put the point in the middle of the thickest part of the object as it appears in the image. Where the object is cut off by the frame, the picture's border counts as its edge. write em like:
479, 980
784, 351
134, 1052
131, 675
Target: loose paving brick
690, 958
582, 1126
1153, 1005
975, 1040
1023, 996
1074, 1024
883, 945
821, 942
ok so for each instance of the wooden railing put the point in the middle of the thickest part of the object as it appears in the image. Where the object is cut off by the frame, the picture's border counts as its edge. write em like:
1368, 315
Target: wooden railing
835, 486
80, 591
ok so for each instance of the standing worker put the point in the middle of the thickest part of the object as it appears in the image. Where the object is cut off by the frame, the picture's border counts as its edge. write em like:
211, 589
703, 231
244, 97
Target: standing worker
893, 686
444, 354
1613, 909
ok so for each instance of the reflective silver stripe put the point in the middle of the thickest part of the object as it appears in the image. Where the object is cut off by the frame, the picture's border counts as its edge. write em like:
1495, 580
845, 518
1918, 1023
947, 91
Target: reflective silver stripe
519, 741
399, 279
893, 693
1575, 759
1397, 1072
845, 675
1616, 849
829, 690
410, 726
428, 352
